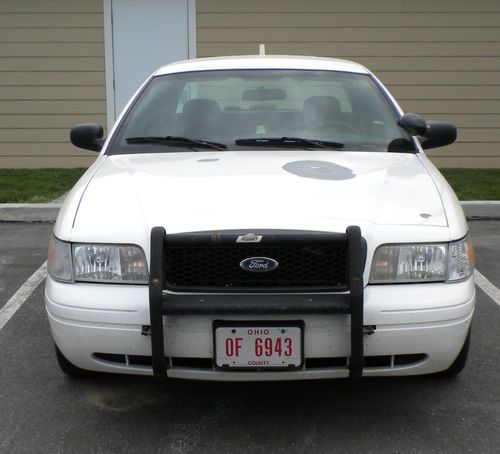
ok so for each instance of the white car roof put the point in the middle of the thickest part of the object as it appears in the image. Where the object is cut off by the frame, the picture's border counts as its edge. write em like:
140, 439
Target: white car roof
262, 62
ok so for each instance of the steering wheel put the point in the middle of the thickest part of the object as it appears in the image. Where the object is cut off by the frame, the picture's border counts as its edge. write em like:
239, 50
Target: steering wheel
336, 125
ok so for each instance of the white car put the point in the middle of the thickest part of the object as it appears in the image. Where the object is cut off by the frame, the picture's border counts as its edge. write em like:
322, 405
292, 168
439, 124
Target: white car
262, 218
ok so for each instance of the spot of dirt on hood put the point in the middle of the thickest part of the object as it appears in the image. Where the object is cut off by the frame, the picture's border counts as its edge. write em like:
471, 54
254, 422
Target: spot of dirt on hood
319, 170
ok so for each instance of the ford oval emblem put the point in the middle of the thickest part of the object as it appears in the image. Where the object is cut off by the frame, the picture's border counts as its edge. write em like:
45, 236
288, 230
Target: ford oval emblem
259, 264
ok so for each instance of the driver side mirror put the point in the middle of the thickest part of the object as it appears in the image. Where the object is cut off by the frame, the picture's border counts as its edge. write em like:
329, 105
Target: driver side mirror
88, 136
432, 134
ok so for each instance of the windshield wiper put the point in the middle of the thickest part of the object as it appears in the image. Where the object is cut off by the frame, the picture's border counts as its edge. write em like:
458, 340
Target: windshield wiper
177, 141
288, 142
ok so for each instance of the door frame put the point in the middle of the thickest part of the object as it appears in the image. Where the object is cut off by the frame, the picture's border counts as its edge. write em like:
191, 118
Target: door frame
108, 53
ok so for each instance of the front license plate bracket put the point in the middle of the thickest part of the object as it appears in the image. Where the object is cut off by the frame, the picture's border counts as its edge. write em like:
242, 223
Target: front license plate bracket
258, 346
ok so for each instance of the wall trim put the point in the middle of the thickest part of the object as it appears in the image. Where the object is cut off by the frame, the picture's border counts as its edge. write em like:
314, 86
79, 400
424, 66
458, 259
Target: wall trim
109, 66
191, 5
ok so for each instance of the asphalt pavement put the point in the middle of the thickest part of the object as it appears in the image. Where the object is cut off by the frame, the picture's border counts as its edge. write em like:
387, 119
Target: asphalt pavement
43, 411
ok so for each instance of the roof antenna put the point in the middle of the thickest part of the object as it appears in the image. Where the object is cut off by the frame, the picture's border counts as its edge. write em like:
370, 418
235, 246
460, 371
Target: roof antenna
262, 49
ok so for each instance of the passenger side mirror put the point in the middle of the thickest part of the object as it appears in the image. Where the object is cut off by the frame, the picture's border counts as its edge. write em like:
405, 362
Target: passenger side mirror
413, 124
88, 136
438, 134
432, 134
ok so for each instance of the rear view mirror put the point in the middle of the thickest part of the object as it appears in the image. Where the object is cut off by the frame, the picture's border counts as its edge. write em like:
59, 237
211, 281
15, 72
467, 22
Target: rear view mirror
87, 136
264, 94
432, 134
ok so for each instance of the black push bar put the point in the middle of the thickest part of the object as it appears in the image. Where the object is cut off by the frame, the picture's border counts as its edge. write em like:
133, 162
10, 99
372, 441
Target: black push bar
162, 303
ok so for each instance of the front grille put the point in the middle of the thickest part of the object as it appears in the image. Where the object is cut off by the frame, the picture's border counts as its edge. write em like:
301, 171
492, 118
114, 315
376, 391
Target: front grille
214, 264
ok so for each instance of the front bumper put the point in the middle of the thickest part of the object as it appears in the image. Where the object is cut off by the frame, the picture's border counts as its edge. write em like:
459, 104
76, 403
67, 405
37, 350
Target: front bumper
409, 319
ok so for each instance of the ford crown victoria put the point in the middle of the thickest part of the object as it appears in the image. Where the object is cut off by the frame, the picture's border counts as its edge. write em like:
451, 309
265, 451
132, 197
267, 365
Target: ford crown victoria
262, 218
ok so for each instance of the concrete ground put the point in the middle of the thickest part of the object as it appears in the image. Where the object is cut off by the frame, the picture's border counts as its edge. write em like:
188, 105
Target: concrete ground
43, 411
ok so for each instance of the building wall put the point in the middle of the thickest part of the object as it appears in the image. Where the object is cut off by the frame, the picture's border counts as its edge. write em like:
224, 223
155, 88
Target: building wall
439, 58
51, 77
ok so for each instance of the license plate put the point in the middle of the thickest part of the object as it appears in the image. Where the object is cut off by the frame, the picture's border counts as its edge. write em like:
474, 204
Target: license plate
258, 347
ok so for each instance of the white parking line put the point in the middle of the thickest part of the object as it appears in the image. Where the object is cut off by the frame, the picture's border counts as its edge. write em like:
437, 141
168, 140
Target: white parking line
22, 294
487, 287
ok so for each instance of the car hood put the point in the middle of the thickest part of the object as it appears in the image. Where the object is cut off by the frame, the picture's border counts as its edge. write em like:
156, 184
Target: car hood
311, 190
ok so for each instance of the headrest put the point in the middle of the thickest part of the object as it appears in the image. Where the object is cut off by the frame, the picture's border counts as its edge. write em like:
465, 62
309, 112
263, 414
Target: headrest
200, 106
324, 107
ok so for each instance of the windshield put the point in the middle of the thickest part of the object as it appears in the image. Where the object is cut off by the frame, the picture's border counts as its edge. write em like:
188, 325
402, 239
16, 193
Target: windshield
246, 109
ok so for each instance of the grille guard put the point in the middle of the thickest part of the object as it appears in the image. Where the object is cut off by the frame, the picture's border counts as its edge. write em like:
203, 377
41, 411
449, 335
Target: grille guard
162, 303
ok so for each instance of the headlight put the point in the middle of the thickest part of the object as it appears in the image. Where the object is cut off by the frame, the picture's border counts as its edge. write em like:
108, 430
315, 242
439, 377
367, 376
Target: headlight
406, 263
109, 263
59, 260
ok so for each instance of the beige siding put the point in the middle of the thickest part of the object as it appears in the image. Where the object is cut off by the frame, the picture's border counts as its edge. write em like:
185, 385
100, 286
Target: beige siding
438, 58
51, 77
